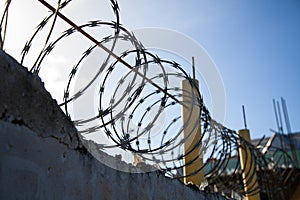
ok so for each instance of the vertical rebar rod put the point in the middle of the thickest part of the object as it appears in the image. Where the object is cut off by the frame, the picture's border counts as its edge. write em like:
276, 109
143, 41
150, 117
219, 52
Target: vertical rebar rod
286, 116
276, 115
244, 116
280, 119
193, 65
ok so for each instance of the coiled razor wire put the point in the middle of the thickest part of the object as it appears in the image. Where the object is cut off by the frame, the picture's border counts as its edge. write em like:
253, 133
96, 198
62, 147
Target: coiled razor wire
141, 109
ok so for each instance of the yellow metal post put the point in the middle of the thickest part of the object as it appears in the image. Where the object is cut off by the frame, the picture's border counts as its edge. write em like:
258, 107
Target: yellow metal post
248, 166
191, 132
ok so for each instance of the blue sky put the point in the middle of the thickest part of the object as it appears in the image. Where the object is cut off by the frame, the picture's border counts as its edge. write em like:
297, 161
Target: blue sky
254, 44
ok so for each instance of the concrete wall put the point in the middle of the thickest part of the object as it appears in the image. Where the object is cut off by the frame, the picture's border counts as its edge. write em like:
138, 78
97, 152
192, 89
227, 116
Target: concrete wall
41, 156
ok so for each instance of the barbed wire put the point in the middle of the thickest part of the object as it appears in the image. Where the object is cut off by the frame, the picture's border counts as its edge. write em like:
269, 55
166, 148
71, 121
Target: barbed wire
139, 109
3, 24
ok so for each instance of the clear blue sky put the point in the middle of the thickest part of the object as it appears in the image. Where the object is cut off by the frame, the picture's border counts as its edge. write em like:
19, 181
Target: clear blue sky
255, 45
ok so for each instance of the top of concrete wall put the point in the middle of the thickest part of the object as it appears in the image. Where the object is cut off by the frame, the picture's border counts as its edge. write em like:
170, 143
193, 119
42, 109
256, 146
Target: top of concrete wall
24, 100
35, 132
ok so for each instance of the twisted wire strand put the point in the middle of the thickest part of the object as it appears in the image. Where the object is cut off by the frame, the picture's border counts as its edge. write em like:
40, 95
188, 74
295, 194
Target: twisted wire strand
3, 24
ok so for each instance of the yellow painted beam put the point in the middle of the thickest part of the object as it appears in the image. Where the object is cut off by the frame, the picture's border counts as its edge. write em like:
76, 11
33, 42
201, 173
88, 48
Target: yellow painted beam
192, 133
248, 166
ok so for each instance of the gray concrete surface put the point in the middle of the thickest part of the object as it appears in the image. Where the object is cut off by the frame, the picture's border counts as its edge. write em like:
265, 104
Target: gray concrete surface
41, 156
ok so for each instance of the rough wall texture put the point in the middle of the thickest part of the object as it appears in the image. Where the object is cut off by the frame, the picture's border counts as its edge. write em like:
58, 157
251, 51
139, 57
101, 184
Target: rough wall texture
24, 100
41, 156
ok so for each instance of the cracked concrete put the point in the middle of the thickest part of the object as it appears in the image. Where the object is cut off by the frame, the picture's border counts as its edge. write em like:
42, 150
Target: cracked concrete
42, 157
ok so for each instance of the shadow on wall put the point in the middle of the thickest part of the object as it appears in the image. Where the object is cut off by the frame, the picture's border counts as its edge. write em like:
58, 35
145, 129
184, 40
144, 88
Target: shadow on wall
42, 156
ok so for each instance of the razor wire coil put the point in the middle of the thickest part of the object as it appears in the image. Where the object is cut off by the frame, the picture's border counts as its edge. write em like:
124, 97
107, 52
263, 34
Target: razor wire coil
130, 108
